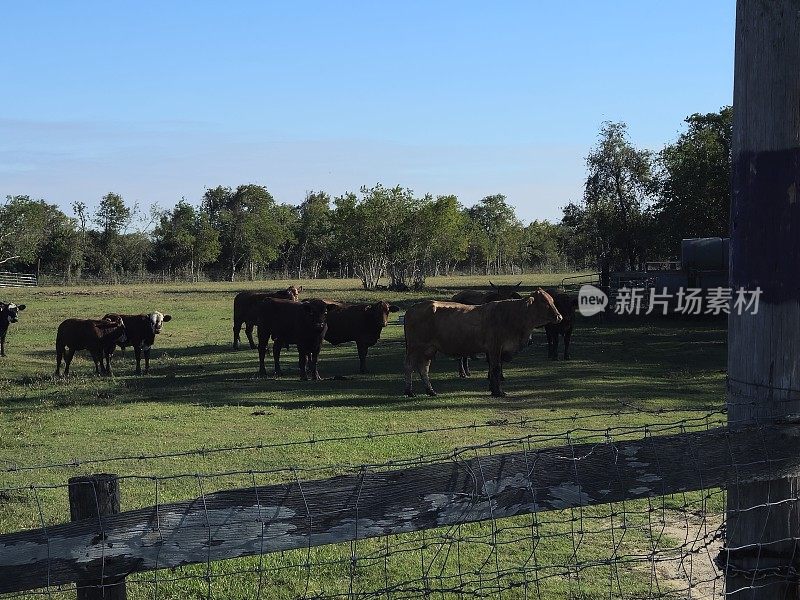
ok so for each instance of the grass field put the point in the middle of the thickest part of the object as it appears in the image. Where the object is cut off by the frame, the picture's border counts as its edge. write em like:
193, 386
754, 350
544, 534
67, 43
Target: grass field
202, 394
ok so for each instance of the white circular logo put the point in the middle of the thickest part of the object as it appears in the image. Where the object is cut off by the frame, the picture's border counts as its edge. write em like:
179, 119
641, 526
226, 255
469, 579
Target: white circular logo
591, 300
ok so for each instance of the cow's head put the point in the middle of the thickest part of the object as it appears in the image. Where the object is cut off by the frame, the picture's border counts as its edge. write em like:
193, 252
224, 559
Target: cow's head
317, 312
114, 328
293, 292
379, 311
503, 292
10, 312
542, 309
157, 321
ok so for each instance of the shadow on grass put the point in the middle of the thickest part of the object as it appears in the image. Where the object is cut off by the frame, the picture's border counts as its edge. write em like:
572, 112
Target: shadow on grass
675, 363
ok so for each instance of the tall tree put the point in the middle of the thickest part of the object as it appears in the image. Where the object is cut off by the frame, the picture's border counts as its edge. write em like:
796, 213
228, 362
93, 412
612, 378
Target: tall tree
112, 217
613, 217
694, 180
313, 233
498, 231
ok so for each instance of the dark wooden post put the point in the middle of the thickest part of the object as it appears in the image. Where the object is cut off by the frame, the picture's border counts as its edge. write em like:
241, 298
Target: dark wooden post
92, 497
764, 349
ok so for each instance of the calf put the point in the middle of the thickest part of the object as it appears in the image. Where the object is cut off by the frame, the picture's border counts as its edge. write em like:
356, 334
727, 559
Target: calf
98, 336
141, 334
500, 329
9, 313
288, 322
243, 310
566, 305
478, 297
359, 323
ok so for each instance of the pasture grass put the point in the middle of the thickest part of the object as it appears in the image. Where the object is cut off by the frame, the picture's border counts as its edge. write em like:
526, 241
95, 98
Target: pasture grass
202, 394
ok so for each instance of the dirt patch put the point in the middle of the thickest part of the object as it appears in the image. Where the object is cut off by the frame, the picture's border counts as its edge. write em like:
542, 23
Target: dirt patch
688, 566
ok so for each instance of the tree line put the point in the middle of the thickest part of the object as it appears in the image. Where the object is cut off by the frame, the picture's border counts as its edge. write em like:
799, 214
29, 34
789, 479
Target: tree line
636, 207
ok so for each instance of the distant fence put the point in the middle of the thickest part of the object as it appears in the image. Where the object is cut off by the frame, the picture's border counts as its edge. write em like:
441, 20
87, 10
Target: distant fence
622, 498
8, 279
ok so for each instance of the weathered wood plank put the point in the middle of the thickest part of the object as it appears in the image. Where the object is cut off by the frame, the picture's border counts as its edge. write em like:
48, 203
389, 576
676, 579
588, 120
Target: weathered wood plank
282, 517
764, 349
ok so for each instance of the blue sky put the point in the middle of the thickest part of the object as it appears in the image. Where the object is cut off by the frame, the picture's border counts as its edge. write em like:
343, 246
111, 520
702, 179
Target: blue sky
161, 100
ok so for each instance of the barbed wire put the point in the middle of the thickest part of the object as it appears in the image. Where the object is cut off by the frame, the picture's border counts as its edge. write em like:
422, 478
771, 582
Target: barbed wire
632, 546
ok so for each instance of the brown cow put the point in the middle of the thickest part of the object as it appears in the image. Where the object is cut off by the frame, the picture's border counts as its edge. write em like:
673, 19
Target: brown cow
500, 329
98, 336
566, 305
243, 305
141, 332
359, 323
477, 297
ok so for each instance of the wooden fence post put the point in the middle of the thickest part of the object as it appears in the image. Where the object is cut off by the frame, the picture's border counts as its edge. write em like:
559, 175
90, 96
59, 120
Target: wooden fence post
93, 497
762, 555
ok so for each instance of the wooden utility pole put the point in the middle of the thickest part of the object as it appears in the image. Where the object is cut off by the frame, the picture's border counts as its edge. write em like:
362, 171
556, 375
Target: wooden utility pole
763, 525
95, 497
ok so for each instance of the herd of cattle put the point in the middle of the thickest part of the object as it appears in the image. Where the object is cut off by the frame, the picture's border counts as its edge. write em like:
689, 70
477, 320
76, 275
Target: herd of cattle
496, 323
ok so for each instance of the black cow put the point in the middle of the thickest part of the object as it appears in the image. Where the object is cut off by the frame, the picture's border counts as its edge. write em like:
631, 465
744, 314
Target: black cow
9, 313
98, 336
566, 306
244, 313
288, 322
141, 334
359, 323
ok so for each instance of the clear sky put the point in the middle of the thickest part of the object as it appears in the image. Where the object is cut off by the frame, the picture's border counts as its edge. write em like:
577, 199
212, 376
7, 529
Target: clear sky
160, 100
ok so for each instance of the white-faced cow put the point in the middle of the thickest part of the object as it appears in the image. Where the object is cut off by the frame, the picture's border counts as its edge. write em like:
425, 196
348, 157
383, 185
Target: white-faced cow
359, 323
243, 313
499, 329
98, 336
9, 313
141, 334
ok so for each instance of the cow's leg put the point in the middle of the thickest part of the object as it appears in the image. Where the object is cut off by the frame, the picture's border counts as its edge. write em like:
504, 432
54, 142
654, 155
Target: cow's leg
3, 344
495, 373
105, 361
567, 336
248, 330
276, 355
137, 352
303, 360
554, 350
68, 360
362, 356
59, 356
462, 372
313, 358
146, 360
467, 372
408, 370
423, 369
262, 351
98, 362
237, 328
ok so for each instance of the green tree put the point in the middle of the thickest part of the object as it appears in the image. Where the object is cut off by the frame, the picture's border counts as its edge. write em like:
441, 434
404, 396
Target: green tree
694, 181
613, 219
112, 217
313, 233
496, 232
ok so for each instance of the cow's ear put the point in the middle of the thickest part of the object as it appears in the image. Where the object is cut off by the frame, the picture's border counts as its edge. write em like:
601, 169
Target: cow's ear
300, 289
331, 306
21, 307
492, 285
167, 318
519, 284
393, 308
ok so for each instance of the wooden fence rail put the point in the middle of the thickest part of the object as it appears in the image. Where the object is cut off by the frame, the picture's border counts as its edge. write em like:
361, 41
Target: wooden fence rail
17, 279
255, 520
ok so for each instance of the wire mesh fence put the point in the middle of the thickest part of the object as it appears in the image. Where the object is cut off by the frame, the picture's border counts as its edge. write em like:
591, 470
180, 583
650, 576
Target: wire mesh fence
537, 508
